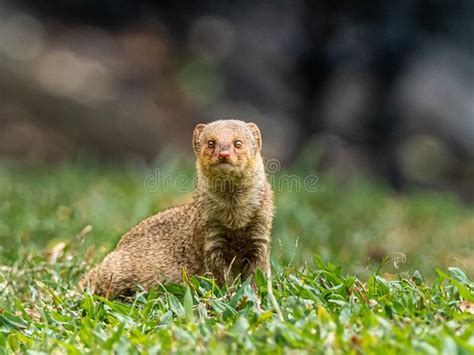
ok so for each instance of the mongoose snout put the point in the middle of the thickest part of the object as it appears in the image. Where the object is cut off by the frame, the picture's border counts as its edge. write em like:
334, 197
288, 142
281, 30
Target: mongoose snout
224, 231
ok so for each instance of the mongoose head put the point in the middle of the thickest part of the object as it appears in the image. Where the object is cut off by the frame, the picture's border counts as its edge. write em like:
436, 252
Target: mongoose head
227, 148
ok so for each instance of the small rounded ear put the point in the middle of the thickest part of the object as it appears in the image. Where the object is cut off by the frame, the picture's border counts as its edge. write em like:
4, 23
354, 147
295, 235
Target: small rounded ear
196, 137
256, 133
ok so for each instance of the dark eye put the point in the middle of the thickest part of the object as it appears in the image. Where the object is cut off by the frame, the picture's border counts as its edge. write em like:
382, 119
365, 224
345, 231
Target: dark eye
238, 144
211, 144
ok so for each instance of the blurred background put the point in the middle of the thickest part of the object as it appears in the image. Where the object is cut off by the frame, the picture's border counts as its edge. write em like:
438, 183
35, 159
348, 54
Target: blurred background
378, 87
376, 90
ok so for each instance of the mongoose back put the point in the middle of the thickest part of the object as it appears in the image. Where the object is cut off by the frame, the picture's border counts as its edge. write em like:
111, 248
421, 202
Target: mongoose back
224, 231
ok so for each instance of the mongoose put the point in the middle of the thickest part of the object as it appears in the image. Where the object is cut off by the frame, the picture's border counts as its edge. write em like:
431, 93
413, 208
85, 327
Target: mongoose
224, 231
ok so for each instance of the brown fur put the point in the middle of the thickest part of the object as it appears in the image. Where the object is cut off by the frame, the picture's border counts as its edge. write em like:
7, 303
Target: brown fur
225, 231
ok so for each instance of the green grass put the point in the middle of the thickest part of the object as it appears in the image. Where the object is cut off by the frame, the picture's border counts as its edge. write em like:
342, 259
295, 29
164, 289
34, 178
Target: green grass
55, 223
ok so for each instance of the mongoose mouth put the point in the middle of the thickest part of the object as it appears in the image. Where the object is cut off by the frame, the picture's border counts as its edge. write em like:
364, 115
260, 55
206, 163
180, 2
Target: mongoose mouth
222, 168
223, 164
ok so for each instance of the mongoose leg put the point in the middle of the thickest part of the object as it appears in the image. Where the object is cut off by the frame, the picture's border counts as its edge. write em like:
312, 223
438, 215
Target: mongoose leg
258, 249
216, 264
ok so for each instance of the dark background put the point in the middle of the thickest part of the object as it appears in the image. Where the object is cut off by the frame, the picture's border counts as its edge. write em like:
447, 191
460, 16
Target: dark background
374, 88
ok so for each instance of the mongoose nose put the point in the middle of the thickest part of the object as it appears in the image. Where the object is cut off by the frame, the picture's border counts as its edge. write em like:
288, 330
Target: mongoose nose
224, 154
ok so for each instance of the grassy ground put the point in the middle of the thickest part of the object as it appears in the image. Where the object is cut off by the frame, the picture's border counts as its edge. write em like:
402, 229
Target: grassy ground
401, 286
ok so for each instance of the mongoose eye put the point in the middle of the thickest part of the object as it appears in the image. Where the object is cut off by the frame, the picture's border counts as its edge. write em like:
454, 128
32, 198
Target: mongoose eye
238, 144
211, 144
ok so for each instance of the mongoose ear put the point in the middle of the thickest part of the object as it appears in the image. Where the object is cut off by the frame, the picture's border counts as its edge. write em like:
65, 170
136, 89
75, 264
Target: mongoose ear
256, 133
196, 135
